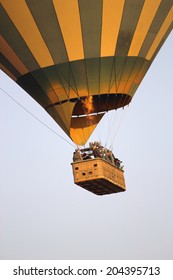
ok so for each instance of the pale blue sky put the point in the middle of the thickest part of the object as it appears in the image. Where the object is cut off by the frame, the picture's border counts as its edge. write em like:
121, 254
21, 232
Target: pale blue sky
43, 215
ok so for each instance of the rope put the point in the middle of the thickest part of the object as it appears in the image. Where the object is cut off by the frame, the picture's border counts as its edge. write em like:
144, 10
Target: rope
123, 113
36, 118
113, 127
109, 128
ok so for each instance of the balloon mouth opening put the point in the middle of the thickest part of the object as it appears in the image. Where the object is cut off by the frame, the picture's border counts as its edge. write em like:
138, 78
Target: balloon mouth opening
95, 104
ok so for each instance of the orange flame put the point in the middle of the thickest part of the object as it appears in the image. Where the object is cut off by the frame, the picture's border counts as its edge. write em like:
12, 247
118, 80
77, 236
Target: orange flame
88, 106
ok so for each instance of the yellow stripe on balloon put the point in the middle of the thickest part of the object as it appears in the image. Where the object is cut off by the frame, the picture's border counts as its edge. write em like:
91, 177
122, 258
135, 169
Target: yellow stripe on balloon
111, 20
147, 14
26, 26
8, 52
160, 34
69, 20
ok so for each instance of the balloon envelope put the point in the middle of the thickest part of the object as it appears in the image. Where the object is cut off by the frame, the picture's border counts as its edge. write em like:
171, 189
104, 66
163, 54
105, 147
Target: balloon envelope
79, 59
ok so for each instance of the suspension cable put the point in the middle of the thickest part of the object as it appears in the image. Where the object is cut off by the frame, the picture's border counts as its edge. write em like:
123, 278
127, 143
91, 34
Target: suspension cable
118, 127
31, 114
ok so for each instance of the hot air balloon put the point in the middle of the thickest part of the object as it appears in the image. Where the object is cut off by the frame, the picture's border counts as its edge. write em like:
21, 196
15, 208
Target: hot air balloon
81, 58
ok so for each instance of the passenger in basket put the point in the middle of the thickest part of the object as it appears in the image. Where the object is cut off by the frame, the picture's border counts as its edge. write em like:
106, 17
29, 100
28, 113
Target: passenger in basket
96, 151
77, 155
109, 156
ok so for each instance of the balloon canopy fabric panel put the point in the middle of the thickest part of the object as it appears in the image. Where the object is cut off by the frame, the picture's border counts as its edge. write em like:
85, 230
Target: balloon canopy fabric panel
64, 51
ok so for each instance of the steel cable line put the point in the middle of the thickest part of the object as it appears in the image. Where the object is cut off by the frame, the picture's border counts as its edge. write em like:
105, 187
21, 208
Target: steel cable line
122, 116
36, 117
